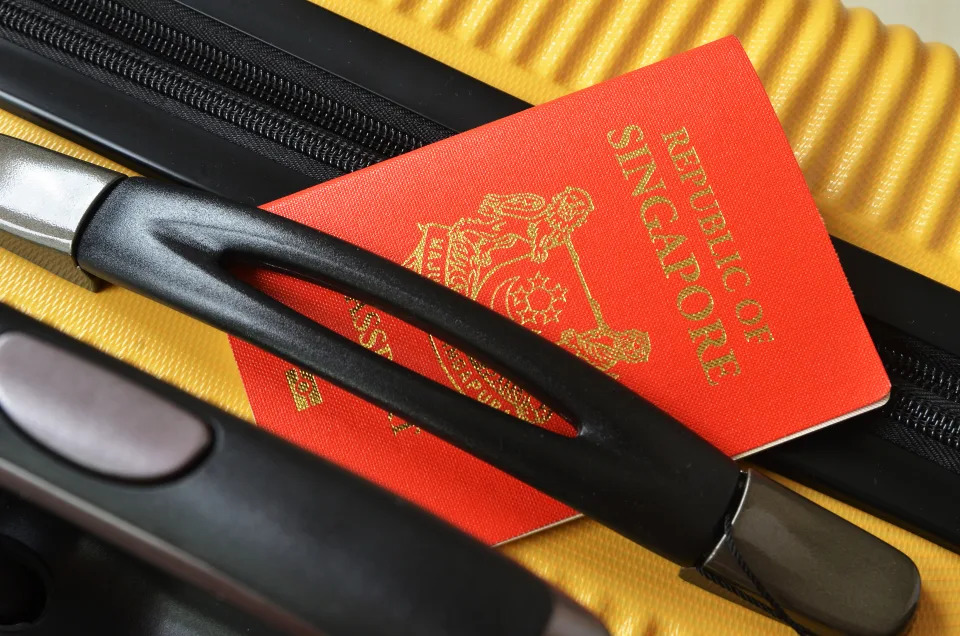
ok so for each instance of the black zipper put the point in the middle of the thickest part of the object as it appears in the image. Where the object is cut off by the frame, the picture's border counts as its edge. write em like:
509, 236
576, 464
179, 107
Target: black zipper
925, 396
224, 68
201, 76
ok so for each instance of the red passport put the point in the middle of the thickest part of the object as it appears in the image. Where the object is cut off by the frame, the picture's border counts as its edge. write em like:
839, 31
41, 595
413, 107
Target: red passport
656, 225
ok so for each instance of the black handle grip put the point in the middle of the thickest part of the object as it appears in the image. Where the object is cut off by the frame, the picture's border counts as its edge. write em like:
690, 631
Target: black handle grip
631, 466
281, 533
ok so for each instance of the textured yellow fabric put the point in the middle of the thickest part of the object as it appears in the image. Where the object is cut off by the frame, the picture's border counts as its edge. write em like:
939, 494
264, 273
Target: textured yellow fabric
869, 112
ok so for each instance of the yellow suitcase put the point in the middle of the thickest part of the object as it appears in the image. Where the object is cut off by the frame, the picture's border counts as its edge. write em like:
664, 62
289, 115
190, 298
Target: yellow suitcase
873, 117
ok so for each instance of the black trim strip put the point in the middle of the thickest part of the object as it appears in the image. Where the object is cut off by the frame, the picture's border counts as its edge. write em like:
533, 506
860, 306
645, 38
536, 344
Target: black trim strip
902, 298
151, 139
136, 134
438, 92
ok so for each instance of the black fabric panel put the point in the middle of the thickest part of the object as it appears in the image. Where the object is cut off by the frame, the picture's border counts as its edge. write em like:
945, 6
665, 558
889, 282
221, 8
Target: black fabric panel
264, 55
254, 52
917, 444
288, 158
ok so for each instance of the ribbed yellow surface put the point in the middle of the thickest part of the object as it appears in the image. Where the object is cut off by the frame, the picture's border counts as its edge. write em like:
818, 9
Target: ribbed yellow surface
871, 112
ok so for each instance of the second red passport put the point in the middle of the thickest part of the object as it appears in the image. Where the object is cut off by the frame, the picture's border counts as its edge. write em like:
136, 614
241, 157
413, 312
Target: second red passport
656, 225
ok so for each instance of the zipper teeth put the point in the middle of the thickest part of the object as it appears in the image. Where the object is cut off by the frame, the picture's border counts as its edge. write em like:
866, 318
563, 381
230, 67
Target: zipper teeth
924, 397
240, 74
277, 127
921, 373
925, 418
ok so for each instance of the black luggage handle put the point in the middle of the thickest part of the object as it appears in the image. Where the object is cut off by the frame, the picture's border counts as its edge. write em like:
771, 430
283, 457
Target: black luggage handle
650, 478
276, 531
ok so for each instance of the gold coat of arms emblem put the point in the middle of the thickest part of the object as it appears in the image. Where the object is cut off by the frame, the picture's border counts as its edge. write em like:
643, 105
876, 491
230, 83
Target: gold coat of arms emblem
517, 255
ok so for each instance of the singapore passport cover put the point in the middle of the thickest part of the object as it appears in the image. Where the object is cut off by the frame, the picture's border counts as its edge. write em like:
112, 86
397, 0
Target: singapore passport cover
656, 225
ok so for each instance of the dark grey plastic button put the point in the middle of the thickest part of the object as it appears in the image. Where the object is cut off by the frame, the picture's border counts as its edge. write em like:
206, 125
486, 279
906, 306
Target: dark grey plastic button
93, 417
